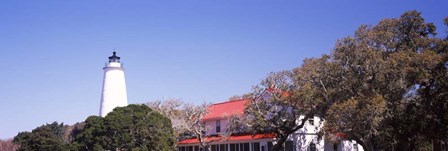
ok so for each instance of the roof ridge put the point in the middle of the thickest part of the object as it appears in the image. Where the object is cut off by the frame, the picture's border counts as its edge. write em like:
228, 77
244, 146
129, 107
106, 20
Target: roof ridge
231, 101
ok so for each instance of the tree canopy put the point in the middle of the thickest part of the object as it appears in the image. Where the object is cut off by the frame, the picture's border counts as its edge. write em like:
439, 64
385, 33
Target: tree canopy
45, 137
392, 80
385, 87
134, 127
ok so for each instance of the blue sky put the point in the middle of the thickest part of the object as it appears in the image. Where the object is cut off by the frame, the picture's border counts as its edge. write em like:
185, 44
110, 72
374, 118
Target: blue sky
52, 52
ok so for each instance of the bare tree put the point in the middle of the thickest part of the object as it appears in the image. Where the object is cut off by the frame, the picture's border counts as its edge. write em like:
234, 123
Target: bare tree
172, 108
8, 145
187, 121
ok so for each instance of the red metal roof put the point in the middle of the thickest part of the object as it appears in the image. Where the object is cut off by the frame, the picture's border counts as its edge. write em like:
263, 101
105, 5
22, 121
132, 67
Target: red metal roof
231, 138
226, 109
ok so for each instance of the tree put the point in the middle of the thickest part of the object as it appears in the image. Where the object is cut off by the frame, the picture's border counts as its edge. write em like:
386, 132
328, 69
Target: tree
393, 78
286, 100
45, 137
134, 127
432, 88
172, 108
90, 134
193, 115
356, 119
8, 145
187, 119
384, 87
138, 127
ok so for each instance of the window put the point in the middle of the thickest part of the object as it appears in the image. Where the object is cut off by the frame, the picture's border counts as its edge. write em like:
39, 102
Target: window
355, 146
270, 146
214, 148
196, 148
223, 147
190, 148
246, 147
312, 147
218, 126
443, 147
289, 146
256, 146
233, 147
311, 121
181, 148
335, 147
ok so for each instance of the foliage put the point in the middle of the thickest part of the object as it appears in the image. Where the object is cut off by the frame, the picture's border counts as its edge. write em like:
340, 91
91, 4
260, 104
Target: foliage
89, 135
393, 85
45, 137
385, 87
284, 102
135, 127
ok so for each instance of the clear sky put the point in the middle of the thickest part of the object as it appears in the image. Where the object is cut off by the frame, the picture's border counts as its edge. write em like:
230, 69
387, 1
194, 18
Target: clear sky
52, 52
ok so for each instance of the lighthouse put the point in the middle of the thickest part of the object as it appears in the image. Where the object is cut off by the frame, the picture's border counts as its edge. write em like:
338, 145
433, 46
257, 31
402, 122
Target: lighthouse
114, 86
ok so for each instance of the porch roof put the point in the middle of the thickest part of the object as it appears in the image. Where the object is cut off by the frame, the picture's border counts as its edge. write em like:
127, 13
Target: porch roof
231, 138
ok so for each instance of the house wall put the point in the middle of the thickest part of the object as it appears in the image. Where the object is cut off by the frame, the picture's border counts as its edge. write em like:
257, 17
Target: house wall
343, 145
302, 141
211, 126
303, 137
351, 146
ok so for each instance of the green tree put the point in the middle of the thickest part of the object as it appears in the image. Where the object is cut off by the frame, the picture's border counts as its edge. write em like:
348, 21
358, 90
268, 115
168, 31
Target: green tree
89, 135
393, 84
385, 87
134, 127
45, 137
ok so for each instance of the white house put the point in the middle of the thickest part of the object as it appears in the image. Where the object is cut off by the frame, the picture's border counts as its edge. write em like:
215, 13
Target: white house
217, 118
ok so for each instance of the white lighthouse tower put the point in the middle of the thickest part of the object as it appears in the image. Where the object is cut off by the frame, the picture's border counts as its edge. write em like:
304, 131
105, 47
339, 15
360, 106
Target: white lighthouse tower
114, 86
